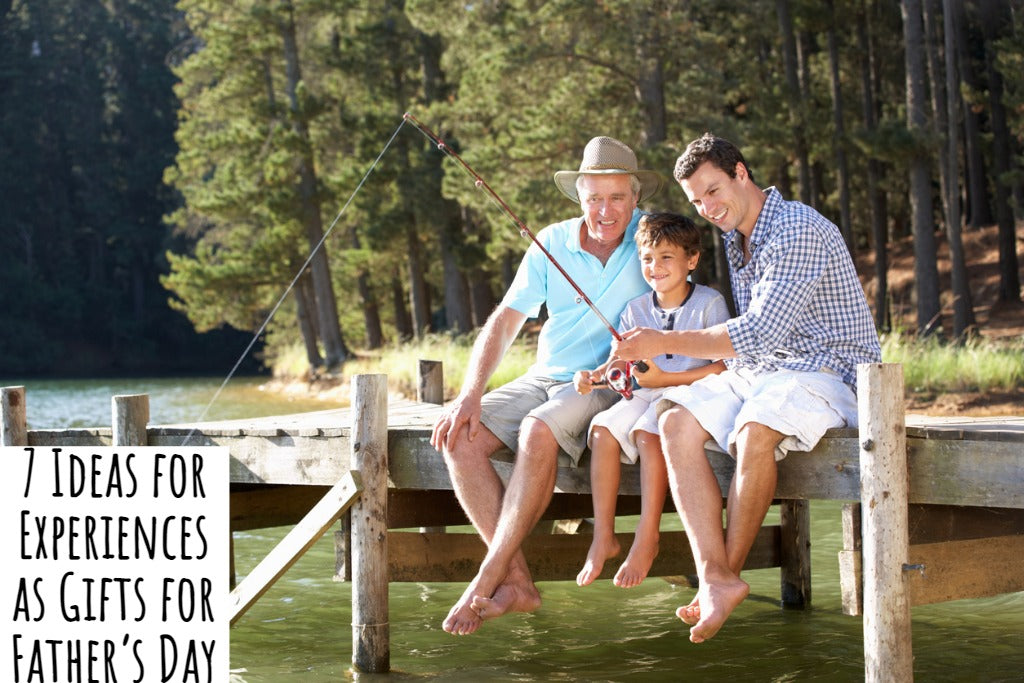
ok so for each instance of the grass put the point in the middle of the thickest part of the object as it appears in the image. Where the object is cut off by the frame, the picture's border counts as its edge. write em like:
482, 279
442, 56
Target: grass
929, 365
933, 367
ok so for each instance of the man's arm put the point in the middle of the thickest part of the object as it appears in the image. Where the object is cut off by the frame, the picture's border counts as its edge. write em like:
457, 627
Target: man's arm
498, 333
712, 343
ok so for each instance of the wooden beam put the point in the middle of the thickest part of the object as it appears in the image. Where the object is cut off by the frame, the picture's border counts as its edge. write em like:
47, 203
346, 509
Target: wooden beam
295, 544
552, 557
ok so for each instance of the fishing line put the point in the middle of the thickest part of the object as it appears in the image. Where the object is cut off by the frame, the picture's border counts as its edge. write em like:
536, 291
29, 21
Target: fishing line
526, 232
291, 285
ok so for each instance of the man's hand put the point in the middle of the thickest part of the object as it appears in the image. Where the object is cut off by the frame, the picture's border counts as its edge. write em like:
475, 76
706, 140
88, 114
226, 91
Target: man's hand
464, 411
637, 343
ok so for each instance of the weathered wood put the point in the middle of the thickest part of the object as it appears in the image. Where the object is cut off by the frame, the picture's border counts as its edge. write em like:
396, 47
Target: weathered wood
980, 548
851, 582
430, 382
261, 507
795, 551
884, 491
552, 557
13, 420
300, 539
129, 417
371, 646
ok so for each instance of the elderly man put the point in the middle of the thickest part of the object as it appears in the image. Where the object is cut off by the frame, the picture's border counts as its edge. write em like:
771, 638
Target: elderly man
803, 325
540, 414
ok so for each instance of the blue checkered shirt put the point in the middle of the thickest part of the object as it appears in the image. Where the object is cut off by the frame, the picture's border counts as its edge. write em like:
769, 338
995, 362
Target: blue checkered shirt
800, 304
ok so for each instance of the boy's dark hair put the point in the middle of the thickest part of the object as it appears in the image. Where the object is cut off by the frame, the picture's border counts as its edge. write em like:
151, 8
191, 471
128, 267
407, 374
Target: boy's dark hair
673, 228
719, 151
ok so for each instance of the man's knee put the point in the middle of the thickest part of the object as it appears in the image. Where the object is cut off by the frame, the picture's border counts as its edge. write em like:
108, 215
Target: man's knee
755, 438
536, 439
466, 452
678, 422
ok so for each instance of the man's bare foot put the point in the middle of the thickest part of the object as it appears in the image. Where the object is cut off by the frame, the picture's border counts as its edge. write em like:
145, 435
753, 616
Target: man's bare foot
601, 549
690, 613
718, 598
641, 556
470, 612
510, 597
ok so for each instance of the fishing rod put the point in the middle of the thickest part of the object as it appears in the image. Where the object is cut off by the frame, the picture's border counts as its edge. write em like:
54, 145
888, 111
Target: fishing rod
526, 232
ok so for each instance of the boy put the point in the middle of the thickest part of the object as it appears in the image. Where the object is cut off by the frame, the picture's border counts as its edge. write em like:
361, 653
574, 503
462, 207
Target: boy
669, 248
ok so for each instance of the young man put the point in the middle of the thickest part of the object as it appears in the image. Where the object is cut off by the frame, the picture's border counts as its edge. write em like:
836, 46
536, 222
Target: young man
669, 246
803, 325
540, 414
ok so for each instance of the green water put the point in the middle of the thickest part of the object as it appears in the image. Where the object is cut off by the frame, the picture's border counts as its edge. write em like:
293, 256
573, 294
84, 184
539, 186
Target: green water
300, 630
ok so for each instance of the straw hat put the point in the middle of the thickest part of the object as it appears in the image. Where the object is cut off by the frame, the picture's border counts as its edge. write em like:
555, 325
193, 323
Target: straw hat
607, 156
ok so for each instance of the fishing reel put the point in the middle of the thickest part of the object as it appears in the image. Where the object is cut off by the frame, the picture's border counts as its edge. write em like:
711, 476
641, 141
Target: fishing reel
619, 376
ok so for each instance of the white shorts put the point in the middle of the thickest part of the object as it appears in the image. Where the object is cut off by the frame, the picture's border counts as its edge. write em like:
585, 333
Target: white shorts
800, 405
627, 417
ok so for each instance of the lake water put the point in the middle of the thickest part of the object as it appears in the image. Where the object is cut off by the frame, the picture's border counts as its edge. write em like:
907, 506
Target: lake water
300, 630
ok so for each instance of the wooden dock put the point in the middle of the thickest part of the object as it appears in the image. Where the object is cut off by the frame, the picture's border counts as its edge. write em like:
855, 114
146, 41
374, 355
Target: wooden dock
936, 506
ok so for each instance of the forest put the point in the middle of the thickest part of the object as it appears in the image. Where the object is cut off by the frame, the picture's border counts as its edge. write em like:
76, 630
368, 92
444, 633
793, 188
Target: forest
174, 175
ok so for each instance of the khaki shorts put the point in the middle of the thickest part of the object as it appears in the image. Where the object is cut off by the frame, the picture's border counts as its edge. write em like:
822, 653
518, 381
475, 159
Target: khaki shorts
566, 413
800, 405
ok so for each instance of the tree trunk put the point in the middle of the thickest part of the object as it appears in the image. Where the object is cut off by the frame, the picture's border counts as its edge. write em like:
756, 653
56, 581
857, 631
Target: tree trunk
839, 139
303, 306
876, 197
979, 210
937, 81
335, 350
403, 322
371, 309
963, 305
796, 118
650, 84
926, 275
992, 18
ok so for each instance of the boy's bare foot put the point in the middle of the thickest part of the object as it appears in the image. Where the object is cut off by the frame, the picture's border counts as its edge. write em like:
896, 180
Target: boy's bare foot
718, 598
601, 549
634, 570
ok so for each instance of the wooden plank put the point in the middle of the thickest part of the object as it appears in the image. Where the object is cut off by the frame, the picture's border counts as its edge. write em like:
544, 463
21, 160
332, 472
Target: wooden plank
973, 568
945, 570
264, 506
294, 545
551, 557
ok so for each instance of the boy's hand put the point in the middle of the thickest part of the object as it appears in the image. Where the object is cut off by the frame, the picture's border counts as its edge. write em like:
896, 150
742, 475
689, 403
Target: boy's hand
584, 380
652, 377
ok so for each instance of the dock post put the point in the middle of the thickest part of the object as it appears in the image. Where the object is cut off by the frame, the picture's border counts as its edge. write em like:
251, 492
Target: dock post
795, 572
884, 490
130, 416
430, 382
371, 646
13, 420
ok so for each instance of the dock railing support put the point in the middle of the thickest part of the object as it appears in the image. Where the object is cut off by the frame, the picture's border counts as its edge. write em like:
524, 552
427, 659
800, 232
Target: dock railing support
13, 420
129, 418
371, 646
884, 494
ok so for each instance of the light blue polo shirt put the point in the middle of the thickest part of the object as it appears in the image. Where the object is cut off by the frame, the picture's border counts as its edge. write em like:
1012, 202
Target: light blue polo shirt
573, 337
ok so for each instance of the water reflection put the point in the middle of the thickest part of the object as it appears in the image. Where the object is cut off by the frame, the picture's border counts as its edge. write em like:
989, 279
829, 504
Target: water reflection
300, 631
